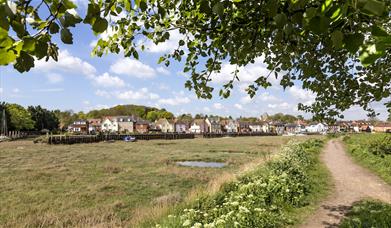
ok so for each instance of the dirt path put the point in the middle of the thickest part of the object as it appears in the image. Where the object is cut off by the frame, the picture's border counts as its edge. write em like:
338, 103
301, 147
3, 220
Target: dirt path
352, 183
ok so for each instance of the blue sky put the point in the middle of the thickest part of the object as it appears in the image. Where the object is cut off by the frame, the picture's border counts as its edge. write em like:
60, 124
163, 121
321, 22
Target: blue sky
80, 82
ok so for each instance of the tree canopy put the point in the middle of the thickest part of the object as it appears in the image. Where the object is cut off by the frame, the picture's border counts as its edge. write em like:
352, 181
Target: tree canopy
20, 118
340, 50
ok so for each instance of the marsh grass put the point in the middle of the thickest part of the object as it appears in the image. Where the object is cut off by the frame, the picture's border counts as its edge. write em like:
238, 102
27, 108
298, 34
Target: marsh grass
116, 184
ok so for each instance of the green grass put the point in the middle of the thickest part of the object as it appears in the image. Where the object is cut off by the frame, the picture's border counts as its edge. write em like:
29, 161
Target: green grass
368, 214
358, 146
114, 184
283, 192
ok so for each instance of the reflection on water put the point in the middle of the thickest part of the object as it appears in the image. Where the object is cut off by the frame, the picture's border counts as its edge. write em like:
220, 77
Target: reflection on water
201, 164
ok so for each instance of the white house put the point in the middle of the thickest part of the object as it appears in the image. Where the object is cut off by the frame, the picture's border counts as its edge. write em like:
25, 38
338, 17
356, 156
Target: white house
198, 126
317, 128
229, 126
165, 125
110, 125
255, 127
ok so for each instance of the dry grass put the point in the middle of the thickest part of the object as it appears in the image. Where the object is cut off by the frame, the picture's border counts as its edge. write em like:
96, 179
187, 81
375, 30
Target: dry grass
118, 184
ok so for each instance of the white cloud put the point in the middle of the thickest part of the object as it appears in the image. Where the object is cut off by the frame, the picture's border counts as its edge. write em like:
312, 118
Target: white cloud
262, 97
163, 86
54, 78
102, 93
15, 90
301, 94
246, 74
167, 46
142, 94
206, 109
66, 63
1, 90
280, 106
238, 106
132, 68
107, 81
163, 71
177, 100
218, 106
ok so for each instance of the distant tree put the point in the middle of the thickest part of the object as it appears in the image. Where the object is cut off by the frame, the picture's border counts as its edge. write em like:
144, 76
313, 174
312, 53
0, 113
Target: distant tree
8, 120
373, 120
167, 115
20, 118
185, 117
389, 117
300, 117
152, 115
281, 117
43, 118
199, 116
65, 118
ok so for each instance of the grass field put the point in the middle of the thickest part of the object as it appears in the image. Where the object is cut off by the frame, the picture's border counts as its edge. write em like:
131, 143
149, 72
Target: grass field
115, 184
359, 146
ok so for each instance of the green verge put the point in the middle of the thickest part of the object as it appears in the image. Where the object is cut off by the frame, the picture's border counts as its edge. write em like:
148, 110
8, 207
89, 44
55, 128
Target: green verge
368, 214
281, 193
363, 149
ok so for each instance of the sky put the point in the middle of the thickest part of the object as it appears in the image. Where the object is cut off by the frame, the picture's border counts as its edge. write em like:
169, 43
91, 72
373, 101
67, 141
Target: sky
80, 82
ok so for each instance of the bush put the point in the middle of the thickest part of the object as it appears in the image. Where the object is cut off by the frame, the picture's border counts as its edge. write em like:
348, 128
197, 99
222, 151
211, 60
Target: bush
368, 214
259, 199
381, 146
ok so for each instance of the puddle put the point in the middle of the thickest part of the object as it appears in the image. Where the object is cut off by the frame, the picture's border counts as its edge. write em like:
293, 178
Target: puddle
201, 164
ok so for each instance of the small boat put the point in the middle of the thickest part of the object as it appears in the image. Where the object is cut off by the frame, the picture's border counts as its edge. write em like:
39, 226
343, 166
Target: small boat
129, 139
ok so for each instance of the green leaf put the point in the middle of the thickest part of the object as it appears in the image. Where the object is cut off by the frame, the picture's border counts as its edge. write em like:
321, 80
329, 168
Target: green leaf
280, 20
66, 36
337, 38
143, 5
135, 54
218, 9
319, 24
353, 42
100, 25
6, 56
28, 44
54, 28
3, 21
370, 55
378, 31
310, 13
204, 7
41, 49
161, 59
24, 62
375, 7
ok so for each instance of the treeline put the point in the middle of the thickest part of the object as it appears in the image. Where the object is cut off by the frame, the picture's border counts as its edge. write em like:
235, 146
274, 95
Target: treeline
38, 118
19, 118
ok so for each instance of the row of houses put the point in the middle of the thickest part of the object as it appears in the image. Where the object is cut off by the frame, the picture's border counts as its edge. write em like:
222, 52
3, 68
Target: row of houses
132, 124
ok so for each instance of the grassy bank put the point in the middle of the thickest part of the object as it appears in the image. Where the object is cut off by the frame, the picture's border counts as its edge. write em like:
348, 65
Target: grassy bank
368, 214
115, 184
277, 194
372, 151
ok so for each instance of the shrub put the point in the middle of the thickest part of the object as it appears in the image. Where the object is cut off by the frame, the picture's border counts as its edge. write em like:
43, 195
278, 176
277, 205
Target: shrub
368, 214
259, 199
381, 146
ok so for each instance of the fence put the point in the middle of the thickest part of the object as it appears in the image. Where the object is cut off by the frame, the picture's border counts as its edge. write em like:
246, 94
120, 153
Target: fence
65, 139
233, 134
15, 134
